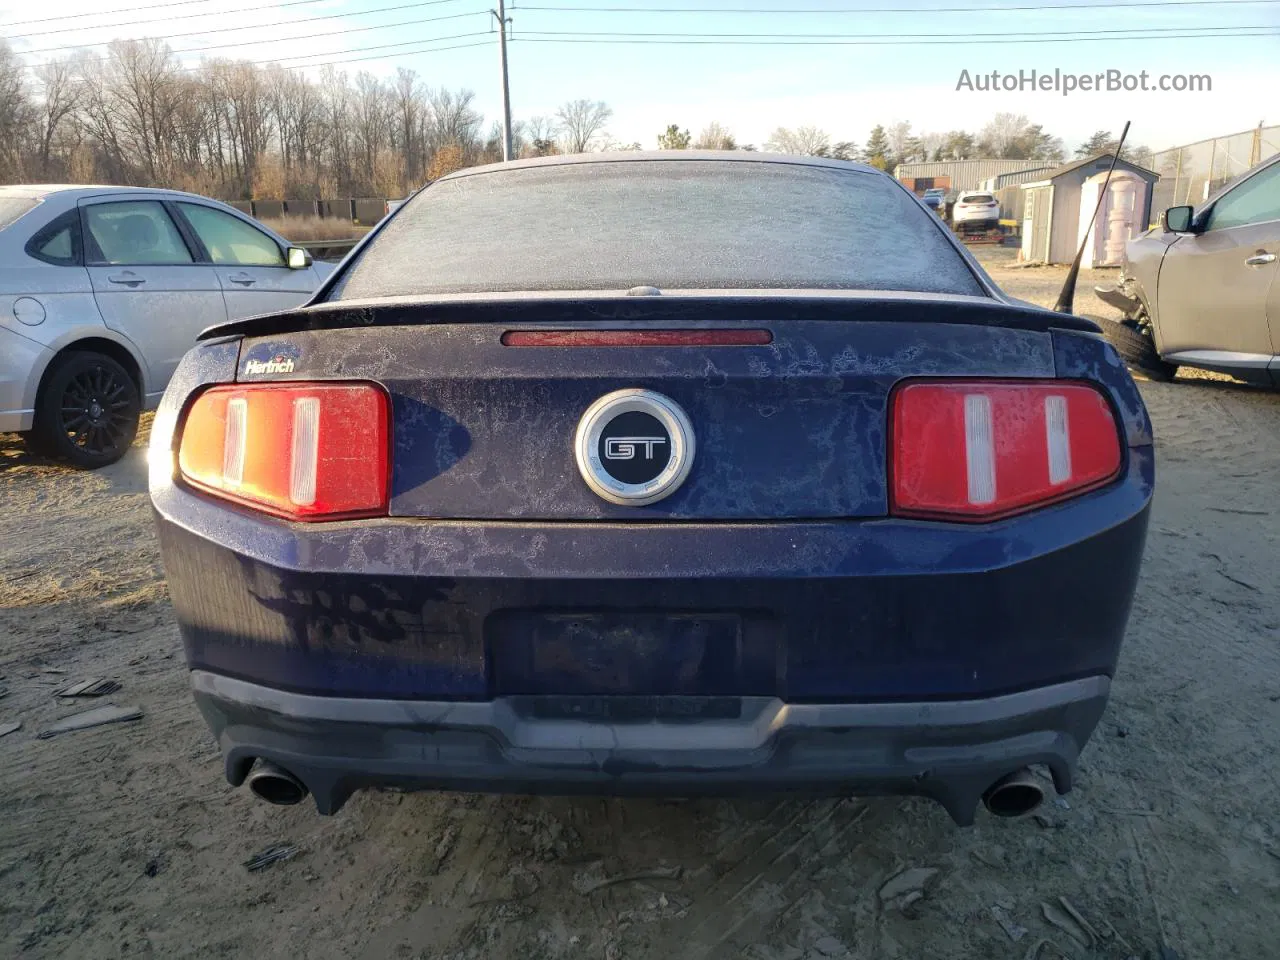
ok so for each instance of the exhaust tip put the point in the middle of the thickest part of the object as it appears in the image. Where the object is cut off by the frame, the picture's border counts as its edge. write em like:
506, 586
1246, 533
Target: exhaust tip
276, 785
1015, 795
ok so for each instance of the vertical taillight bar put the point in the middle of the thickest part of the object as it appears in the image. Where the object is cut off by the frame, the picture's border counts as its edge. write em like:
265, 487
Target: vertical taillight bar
306, 449
979, 449
1058, 435
234, 439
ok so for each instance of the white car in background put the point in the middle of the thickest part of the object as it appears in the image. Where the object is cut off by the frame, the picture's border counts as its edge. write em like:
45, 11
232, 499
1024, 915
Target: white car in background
102, 291
975, 211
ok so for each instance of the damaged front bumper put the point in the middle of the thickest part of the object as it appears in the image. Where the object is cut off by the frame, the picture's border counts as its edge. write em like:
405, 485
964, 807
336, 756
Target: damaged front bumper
1122, 295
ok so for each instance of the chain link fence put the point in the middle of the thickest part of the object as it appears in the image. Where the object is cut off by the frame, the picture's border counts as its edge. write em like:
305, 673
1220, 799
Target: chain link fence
1188, 175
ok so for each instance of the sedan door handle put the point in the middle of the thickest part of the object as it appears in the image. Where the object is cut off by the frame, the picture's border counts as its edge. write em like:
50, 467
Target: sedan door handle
128, 279
1258, 259
243, 279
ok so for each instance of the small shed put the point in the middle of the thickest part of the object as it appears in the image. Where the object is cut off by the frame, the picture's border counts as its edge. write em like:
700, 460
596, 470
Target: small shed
1057, 208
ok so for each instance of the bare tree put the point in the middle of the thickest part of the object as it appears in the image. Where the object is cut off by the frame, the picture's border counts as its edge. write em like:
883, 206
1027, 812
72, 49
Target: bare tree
1002, 133
190, 144
452, 120
235, 129
280, 91
141, 95
541, 133
802, 141
541, 128
904, 144
931, 145
96, 117
337, 100
15, 113
715, 137
407, 105
248, 123
372, 123
958, 145
60, 96
581, 122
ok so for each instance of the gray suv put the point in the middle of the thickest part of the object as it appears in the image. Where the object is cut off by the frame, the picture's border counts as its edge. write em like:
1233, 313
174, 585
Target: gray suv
1201, 290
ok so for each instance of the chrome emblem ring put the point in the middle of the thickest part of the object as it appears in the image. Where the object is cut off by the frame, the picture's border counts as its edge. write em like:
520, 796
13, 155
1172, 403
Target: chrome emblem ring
634, 447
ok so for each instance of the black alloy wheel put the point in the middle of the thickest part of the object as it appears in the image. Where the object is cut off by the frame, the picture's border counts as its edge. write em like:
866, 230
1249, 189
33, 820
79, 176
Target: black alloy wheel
87, 413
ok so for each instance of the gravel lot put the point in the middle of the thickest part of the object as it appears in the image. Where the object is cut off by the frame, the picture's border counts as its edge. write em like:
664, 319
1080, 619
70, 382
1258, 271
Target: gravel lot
126, 841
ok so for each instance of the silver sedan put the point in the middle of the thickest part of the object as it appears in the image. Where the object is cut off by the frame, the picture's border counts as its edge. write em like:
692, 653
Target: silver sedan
103, 289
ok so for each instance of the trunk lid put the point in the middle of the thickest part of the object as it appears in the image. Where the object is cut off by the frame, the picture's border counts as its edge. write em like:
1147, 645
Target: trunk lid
795, 429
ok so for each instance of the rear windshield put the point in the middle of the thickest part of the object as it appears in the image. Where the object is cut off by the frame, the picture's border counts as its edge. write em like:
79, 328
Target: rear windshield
671, 224
11, 208
979, 198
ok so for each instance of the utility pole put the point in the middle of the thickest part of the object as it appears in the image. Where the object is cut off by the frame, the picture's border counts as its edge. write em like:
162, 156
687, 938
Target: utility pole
501, 15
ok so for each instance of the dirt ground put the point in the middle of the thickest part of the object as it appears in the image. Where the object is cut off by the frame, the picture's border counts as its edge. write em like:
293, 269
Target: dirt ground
125, 841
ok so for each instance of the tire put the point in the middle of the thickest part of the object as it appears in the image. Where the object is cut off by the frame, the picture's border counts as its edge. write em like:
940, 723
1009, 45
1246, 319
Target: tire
87, 411
1137, 349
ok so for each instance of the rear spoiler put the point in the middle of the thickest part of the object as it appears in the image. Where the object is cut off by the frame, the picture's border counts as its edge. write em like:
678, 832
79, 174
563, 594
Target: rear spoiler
695, 311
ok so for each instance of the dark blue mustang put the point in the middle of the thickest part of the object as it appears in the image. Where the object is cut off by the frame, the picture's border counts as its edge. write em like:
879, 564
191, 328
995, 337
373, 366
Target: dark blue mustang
675, 473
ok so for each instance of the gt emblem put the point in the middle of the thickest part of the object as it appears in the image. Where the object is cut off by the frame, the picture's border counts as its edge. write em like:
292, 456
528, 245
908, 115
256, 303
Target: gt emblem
624, 448
634, 447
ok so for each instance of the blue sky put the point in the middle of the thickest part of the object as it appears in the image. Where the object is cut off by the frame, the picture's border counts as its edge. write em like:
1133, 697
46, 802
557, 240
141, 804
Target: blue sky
750, 89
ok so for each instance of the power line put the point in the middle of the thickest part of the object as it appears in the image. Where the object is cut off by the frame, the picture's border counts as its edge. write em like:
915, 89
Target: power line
588, 9
283, 61
406, 53
154, 6
380, 46
224, 13
1209, 31
525, 38
252, 43
906, 10
378, 56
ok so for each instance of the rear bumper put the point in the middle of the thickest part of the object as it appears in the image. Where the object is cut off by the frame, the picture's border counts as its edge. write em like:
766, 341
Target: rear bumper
845, 611
977, 223
949, 751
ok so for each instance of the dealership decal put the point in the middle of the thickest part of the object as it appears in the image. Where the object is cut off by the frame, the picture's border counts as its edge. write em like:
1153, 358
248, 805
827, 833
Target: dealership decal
277, 364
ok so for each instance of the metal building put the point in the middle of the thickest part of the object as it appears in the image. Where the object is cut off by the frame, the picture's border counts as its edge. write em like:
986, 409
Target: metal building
1005, 189
956, 175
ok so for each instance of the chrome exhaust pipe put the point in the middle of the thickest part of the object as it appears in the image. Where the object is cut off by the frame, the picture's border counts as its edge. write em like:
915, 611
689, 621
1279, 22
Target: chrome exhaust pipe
276, 785
1015, 795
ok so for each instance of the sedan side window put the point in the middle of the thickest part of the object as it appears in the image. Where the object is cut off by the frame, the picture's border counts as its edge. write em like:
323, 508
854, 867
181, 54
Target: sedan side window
135, 233
230, 240
58, 242
1257, 200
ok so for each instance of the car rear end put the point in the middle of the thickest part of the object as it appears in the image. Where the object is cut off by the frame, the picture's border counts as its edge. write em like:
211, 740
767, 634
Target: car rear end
976, 212
935, 199
890, 546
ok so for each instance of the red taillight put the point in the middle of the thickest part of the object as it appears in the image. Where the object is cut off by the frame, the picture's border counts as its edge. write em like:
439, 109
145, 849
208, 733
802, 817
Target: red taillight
307, 451
981, 450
